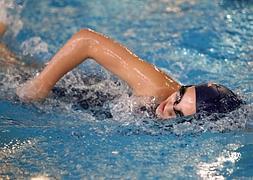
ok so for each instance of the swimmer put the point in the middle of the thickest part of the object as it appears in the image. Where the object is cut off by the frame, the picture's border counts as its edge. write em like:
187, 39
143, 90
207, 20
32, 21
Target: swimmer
171, 98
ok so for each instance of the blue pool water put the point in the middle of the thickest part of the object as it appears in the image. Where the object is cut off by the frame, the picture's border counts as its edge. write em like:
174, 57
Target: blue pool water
195, 41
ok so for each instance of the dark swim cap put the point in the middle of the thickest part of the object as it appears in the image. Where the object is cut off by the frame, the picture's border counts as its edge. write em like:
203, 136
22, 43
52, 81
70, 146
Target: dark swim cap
214, 98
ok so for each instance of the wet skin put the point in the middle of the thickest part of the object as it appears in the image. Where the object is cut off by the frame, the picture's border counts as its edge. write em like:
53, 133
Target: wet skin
145, 79
186, 106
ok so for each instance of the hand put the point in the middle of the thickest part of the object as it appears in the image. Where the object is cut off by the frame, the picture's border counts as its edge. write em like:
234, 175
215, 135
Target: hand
33, 90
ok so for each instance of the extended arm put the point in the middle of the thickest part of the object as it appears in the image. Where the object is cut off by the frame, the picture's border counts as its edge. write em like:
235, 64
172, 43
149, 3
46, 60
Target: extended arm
142, 77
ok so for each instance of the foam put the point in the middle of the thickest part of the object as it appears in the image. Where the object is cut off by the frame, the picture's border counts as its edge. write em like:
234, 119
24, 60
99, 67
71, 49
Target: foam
121, 108
171, 59
34, 46
94, 147
10, 15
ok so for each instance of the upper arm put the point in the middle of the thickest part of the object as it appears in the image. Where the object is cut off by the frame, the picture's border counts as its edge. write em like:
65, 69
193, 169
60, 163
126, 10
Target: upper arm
142, 77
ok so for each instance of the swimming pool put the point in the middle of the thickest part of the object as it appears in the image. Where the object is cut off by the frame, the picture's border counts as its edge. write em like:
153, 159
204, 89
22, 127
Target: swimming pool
194, 40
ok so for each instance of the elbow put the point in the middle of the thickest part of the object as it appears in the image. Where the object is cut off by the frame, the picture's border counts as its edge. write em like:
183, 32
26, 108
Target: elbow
87, 38
85, 33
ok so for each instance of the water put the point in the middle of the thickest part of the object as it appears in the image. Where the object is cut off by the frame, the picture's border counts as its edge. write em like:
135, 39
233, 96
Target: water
196, 41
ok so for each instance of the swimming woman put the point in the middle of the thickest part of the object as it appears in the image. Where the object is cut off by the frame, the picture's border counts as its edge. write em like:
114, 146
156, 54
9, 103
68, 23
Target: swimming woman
146, 81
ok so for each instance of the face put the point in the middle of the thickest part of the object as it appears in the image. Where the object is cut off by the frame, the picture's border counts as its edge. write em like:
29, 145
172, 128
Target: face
178, 104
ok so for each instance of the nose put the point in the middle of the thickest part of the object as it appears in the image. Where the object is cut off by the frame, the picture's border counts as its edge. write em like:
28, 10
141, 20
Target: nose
165, 110
169, 111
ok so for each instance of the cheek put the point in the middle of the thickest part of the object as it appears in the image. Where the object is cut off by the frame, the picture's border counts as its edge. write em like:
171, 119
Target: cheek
189, 109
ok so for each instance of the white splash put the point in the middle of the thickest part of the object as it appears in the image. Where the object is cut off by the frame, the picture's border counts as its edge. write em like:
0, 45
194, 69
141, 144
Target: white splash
10, 15
34, 46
